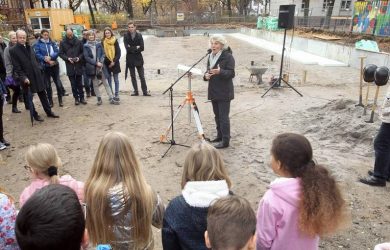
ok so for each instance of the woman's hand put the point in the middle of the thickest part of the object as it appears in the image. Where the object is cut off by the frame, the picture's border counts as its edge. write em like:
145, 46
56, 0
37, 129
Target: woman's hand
111, 64
99, 64
215, 71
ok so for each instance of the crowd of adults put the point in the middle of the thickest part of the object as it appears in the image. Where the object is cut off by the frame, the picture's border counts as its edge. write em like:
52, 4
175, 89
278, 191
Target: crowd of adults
28, 69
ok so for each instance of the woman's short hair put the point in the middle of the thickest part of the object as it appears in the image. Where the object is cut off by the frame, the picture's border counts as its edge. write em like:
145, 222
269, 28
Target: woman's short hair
220, 39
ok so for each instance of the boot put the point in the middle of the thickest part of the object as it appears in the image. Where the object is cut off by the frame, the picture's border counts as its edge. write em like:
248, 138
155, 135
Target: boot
82, 100
15, 109
99, 101
60, 101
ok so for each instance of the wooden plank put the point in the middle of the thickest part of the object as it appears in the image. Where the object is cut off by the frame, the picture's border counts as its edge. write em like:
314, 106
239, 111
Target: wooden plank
326, 37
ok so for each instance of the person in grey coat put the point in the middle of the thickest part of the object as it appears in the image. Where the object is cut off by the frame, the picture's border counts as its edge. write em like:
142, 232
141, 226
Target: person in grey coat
220, 74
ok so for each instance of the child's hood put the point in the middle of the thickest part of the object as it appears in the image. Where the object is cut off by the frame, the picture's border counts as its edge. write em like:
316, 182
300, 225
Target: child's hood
287, 189
203, 193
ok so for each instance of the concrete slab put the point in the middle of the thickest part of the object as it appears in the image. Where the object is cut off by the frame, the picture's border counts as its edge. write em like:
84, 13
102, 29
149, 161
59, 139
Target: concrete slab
296, 55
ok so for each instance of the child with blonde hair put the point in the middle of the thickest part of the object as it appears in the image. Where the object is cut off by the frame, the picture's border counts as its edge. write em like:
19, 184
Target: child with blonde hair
303, 204
43, 163
204, 180
121, 205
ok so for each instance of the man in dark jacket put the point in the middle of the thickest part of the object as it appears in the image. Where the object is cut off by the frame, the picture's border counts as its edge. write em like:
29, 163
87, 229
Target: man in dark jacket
220, 74
28, 72
134, 45
71, 51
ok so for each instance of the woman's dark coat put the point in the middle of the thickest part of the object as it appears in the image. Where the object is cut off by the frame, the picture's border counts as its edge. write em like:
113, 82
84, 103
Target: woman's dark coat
134, 56
90, 63
221, 85
26, 66
116, 69
71, 48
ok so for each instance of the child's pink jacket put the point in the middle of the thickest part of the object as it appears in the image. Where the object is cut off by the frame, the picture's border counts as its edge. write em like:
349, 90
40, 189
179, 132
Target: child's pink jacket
66, 180
277, 218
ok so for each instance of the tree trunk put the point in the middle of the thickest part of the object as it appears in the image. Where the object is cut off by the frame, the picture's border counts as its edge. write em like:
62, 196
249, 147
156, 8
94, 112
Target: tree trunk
43, 3
92, 14
49, 3
229, 7
94, 5
306, 13
129, 9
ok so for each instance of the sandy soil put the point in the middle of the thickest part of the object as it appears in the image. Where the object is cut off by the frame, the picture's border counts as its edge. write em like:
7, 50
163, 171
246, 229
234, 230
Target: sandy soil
326, 114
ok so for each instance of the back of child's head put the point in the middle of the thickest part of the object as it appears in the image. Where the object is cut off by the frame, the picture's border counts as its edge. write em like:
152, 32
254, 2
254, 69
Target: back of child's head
116, 163
52, 218
204, 163
42, 158
322, 207
231, 224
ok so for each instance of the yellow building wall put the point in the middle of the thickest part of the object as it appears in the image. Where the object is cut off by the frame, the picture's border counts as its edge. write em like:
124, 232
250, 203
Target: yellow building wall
58, 19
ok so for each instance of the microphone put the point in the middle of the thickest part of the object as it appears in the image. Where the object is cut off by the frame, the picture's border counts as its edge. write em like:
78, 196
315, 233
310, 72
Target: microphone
209, 51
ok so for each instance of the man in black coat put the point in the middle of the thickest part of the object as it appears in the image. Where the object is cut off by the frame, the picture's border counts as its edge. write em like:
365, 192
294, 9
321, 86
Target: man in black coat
134, 45
27, 70
220, 74
71, 51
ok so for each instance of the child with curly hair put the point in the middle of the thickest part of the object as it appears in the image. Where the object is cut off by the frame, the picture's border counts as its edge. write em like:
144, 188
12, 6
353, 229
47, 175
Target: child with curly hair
303, 204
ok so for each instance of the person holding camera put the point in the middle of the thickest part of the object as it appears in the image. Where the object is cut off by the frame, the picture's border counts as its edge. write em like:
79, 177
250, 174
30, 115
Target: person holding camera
94, 57
47, 53
71, 51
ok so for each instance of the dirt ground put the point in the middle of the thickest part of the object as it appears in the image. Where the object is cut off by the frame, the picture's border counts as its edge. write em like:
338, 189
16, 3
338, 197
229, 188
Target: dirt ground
326, 114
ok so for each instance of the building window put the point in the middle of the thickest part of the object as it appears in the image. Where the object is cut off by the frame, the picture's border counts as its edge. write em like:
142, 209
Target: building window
40, 23
345, 4
326, 4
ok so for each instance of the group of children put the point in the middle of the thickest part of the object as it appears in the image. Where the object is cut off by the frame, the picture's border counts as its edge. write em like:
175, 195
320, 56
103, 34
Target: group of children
116, 206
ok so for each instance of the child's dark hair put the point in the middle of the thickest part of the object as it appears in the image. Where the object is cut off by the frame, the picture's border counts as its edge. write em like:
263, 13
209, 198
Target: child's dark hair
231, 222
52, 218
321, 207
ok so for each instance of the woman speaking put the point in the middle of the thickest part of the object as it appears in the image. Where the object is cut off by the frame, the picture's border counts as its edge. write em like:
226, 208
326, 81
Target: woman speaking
220, 74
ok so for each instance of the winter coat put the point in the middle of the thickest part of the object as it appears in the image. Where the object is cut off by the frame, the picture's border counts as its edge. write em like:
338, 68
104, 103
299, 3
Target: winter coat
277, 218
122, 222
133, 55
66, 180
2, 64
221, 85
9, 68
185, 219
3, 91
71, 48
384, 113
26, 66
116, 69
90, 62
43, 49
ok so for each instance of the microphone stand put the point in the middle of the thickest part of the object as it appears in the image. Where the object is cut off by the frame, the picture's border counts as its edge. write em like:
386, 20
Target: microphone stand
172, 141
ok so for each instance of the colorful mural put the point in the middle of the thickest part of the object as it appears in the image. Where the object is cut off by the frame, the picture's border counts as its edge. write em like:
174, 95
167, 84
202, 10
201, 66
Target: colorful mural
371, 17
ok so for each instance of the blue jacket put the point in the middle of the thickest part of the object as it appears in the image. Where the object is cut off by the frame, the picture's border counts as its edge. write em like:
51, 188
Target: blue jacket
184, 226
90, 62
42, 49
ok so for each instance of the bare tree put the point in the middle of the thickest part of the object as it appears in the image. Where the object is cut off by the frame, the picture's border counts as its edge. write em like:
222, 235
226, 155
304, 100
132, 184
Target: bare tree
128, 4
91, 12
74, 4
